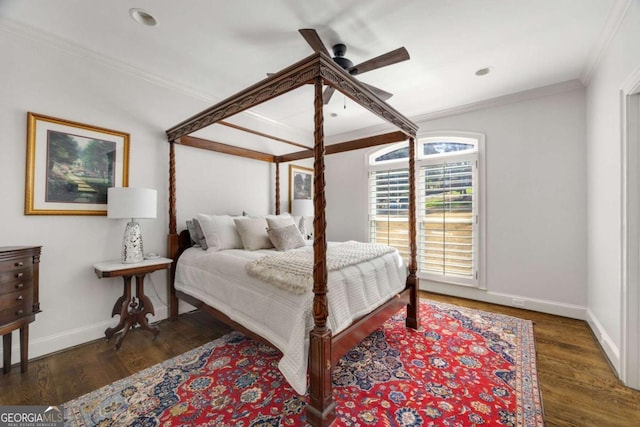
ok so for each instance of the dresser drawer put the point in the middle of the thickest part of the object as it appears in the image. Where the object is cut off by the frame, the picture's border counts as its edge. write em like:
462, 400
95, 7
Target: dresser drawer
19, 297
15, 281
16, 298
15, 305
16, 264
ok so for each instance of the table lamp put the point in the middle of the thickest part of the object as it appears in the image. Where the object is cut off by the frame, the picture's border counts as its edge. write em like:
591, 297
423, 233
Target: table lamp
131, 203
302, 208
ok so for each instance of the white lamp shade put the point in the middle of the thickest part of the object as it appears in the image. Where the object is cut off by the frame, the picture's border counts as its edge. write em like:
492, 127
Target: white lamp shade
129, 202
302, 207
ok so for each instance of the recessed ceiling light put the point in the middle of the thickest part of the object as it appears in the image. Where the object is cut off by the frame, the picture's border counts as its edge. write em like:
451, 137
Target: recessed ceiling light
483, 71
143, 17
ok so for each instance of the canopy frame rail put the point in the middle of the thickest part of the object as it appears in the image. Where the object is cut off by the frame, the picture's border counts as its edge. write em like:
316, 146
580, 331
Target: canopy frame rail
298, 74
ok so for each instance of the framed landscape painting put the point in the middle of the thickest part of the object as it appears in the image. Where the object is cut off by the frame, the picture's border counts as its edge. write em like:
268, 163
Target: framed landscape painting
300, 183
70, 166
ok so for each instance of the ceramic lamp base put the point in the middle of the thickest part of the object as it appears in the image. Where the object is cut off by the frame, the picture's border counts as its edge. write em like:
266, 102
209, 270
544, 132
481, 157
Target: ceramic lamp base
132, 251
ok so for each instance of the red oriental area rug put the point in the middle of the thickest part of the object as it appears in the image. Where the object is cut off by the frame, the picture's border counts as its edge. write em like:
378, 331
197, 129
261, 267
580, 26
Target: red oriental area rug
463, 367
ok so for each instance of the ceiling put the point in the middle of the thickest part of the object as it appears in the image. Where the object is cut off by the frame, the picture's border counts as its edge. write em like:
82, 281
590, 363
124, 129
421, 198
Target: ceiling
215, 48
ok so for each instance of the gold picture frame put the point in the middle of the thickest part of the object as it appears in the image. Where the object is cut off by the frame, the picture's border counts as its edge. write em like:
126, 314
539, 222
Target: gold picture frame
70, 165
300, 184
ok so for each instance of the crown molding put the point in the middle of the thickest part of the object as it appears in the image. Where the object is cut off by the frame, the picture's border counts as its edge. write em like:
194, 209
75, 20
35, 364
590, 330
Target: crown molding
248, 116
614, 20
71, 48
526, 95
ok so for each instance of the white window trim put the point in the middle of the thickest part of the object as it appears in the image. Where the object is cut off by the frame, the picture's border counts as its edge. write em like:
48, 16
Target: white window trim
480, 282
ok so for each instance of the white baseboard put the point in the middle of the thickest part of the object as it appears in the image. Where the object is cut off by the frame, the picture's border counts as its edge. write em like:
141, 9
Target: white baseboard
50, 344
45, 345
560, 309
518, 301
610, 349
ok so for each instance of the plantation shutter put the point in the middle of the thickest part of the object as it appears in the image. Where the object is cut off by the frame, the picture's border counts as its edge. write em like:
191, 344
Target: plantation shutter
447, 215
389, 208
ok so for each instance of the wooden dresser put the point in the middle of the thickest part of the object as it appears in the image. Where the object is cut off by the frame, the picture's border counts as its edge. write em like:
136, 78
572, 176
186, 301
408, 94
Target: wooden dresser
19, 302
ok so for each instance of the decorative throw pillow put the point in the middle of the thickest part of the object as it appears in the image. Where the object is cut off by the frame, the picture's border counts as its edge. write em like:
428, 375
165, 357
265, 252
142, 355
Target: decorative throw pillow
280, 221
191, 227
219, 232
253, 233
286, 238
200, 235
273, 216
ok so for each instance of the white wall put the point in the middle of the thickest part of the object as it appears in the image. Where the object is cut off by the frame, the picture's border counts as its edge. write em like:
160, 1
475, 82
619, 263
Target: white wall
49, 79
604, 159
536, 200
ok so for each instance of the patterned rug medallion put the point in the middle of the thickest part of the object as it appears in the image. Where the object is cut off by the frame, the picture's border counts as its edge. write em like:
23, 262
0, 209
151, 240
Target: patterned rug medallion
462, 368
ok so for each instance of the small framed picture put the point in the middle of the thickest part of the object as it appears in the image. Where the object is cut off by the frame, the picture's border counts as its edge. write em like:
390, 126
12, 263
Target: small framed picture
300, 184
70, 166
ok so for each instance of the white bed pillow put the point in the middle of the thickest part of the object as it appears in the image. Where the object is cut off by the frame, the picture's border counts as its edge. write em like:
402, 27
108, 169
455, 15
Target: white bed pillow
253, 233
280, 221
273, 216
219, 232
285, 238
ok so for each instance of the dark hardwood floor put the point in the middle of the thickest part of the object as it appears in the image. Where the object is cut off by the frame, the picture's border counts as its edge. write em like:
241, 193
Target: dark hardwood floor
578, 386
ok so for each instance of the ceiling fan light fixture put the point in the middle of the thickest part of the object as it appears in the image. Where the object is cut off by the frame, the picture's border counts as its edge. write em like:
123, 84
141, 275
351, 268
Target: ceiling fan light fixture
143, 17
343, 62
339, 51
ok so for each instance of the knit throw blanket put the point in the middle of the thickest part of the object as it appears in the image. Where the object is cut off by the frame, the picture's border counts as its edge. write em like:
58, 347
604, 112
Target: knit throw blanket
293, 270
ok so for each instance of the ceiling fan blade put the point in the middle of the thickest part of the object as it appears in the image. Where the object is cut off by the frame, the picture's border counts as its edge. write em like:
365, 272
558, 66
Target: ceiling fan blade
327, 94
312, 37
385, 59
382, 94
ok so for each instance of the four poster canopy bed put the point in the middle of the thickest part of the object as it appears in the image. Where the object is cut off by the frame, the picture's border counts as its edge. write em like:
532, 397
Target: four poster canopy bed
326, 342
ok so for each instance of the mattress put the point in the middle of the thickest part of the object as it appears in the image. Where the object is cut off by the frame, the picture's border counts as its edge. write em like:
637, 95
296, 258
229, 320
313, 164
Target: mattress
220, 280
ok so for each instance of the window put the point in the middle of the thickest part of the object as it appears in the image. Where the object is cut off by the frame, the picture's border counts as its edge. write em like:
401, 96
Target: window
389, 195
448, 200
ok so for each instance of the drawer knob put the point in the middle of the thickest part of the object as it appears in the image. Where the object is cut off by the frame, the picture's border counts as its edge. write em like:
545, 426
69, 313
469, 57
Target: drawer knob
19, 312
19, 275
19, 264
19, 285
20, 298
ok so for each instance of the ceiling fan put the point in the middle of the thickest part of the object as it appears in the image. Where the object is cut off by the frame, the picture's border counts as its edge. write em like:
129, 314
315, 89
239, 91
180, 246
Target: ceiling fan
339, 50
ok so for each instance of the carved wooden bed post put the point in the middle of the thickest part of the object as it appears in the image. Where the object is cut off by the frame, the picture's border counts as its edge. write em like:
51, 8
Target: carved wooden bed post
413, 319
278, 189
172, 239
321, 409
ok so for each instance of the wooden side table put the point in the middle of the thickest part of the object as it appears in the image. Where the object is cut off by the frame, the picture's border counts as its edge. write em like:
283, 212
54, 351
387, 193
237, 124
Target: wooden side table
132, 310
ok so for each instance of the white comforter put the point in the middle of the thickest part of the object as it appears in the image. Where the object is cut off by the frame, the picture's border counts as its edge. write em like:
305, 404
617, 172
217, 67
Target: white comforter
219, 279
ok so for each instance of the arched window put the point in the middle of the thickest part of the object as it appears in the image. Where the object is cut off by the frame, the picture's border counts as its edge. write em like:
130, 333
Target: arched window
448, 200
